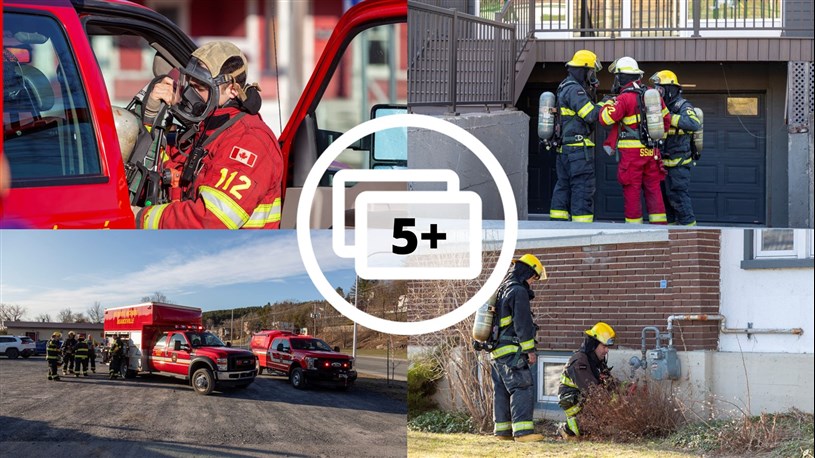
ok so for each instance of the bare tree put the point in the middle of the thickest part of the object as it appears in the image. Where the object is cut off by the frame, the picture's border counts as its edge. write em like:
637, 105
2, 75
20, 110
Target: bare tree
65, 315
44, 318
96, 314
80, 318
158, 296
11, 312
466, 370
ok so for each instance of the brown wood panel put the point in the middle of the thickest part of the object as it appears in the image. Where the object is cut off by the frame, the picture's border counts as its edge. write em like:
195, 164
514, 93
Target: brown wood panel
752, 50
762, 49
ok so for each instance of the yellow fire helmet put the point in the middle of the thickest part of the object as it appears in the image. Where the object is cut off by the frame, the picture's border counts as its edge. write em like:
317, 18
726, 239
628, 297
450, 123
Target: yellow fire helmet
664, 77
585, 58
57, 335
534, 263
603, 333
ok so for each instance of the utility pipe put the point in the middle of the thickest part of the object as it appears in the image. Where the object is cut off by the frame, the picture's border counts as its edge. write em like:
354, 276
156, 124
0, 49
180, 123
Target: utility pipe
723, 326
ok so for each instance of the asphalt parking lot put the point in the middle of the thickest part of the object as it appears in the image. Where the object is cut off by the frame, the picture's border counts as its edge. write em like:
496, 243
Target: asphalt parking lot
158, 416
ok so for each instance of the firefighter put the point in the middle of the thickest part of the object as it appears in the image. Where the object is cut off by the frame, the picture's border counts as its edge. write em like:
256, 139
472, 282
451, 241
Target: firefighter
52, 354
586, 368
574, 189
68, 353
117, 351
92, 353
228, 174
514, 399
676, 155
640, 168
81, 351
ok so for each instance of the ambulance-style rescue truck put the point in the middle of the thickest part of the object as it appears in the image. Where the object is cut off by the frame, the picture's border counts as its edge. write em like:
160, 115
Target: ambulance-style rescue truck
170, 340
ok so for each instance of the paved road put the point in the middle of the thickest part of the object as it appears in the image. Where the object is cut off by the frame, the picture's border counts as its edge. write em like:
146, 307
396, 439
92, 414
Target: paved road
378, 366
159, 417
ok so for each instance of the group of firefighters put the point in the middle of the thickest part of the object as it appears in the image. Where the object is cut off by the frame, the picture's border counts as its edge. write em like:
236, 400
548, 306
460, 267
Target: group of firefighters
513, 353
75, 354
659, 167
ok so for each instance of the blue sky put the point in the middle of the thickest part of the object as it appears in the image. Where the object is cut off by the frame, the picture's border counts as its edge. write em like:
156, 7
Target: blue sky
47, 271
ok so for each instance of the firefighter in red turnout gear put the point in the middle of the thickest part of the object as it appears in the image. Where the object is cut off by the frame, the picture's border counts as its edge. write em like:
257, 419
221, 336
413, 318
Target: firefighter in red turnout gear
228, 175
640, 169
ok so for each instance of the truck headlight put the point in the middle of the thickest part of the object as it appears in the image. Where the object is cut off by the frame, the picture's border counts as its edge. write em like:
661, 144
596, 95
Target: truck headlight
310, 362
222, 364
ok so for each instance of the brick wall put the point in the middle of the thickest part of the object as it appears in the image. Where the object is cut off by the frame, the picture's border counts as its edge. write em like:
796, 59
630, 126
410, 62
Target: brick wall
617, 283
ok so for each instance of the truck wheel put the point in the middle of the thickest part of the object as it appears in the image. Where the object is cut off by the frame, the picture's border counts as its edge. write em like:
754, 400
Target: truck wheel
298, 378
202, 381
12, 353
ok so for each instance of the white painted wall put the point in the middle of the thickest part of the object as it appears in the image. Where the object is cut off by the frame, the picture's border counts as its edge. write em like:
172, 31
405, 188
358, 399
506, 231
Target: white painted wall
769, 298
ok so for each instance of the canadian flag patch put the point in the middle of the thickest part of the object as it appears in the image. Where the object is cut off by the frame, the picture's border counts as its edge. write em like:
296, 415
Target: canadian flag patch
243, 156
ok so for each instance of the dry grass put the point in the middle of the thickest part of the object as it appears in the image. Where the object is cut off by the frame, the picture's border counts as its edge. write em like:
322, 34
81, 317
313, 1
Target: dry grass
628, 413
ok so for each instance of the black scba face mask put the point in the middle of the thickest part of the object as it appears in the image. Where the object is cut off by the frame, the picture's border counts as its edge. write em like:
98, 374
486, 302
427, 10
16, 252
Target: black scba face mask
193, 107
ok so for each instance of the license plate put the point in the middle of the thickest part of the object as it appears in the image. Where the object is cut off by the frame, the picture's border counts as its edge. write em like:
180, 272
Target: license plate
343, 375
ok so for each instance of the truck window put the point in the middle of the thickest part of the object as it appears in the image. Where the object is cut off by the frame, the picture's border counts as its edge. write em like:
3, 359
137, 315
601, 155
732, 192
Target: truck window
47, 130
177, 338
310, 344
161, 342
273, 346
372, 71
126, 62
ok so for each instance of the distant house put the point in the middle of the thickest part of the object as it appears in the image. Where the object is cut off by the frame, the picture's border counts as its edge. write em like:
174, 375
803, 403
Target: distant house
38, 330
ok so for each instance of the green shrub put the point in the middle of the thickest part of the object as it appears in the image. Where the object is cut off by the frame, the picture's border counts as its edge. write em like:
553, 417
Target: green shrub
439, 421
422, 377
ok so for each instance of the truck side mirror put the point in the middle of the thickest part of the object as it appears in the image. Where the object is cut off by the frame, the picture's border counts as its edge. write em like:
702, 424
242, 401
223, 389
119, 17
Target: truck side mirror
176, 345
280, 347
337, 348
229, 344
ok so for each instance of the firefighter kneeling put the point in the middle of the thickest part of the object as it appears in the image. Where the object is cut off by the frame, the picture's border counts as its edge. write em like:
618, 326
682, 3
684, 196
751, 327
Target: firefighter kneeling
586, 368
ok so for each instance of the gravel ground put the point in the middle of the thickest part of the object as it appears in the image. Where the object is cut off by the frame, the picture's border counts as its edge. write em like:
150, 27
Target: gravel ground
158, 416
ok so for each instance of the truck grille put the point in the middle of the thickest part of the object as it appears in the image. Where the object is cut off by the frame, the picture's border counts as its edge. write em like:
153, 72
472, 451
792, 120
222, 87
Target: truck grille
241, 363
333, 364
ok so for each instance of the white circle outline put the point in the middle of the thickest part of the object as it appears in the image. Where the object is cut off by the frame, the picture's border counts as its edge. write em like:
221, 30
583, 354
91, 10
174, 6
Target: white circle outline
304, 224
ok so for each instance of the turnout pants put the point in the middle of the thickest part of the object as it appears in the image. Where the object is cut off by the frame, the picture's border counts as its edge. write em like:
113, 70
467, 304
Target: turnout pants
675, 193
53, 367
639, 172
68, 363
81, 362
514, 399
575, 186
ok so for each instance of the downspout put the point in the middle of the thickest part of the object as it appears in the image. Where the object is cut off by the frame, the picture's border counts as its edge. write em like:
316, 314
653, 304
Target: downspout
723, 326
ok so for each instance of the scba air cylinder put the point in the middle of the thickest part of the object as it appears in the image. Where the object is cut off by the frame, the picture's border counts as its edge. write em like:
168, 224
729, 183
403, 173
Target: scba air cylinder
698, 136
546, 116
653, 114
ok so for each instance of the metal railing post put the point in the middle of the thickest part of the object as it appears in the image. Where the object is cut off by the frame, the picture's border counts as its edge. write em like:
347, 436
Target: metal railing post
453, 62
531, 18
697, 17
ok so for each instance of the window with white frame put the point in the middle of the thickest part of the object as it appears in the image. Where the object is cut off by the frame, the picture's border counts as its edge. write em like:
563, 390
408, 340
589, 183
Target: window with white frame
549, 370
782, 244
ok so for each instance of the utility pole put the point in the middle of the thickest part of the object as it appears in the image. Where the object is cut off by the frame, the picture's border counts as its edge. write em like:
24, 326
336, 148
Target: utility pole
231, 326
356, 295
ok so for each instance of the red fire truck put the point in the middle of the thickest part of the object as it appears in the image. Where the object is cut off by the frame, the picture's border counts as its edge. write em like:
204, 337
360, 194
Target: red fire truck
303, 359
60, 139
169, 340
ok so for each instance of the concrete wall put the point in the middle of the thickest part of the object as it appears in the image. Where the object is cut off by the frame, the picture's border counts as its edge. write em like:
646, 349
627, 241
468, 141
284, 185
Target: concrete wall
719, 382
504, 133
769, 298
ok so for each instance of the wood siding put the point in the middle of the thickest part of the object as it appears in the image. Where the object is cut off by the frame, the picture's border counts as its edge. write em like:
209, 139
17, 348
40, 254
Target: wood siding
772, 49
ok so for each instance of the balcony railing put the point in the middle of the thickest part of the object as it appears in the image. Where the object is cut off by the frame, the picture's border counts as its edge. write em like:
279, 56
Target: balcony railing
458, 59
647, 18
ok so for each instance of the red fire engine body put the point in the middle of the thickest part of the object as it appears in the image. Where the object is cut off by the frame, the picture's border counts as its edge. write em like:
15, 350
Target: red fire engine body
169, 340
303, 359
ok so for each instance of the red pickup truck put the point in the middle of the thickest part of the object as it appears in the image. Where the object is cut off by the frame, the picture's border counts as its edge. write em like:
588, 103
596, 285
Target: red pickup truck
303, 359
59, 136
169, 340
